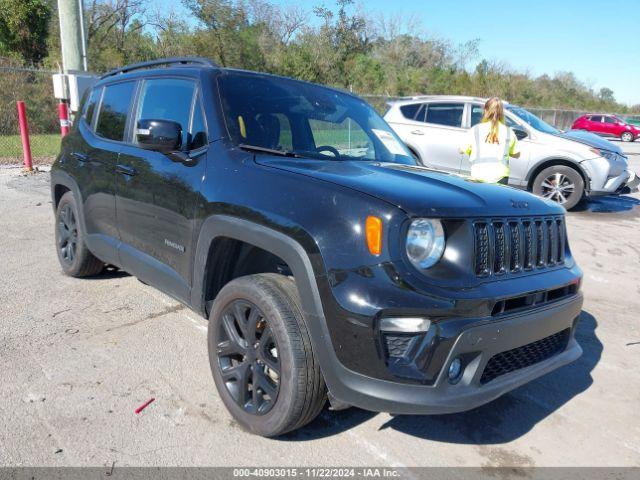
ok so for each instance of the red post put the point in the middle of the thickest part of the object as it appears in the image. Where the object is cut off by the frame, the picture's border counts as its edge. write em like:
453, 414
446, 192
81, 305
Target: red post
63, 115
24, 133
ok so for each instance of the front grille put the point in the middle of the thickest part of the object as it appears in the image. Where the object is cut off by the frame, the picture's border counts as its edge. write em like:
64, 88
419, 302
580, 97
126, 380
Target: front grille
525, 356
533, 300
517, 245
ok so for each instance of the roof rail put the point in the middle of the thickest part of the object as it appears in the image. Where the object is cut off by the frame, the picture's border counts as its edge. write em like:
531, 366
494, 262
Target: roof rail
162, 61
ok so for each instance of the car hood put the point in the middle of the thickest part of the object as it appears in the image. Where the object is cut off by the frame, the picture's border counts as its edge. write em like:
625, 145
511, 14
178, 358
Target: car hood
591, 139
420, 191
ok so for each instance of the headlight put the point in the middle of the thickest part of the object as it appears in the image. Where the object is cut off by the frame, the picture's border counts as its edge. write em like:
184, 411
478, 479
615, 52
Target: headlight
604, 153
425, 242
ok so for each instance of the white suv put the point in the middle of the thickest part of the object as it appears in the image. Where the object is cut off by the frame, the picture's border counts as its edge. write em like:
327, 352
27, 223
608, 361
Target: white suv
563, 167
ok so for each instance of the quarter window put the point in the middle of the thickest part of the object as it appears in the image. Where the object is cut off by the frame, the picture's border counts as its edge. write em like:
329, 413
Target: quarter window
198, 131
90, 106
410, 111
114, 108
447, 114
167, 99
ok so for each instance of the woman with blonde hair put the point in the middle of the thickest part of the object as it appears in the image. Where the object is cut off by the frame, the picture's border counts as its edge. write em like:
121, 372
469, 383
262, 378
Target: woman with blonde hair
490, 144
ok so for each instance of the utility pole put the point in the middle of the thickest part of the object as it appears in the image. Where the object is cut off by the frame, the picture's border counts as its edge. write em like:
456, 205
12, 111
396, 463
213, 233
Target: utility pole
74, 55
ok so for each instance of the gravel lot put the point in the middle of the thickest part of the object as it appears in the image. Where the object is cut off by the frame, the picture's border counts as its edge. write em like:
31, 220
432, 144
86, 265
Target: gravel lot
79, 356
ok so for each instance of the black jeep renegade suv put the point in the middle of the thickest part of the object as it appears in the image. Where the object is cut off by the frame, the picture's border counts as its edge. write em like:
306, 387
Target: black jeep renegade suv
328, 263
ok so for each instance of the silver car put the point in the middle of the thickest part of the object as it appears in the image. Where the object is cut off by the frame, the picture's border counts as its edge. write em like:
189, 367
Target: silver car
563, 167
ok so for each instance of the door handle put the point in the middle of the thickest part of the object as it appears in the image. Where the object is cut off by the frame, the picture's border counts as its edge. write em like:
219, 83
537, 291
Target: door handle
417, 132
81, 157
123, 169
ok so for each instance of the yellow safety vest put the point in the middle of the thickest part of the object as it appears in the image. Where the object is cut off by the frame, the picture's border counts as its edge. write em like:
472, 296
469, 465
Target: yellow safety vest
491, 170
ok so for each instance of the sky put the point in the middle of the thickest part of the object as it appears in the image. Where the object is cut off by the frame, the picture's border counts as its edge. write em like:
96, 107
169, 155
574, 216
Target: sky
597, 40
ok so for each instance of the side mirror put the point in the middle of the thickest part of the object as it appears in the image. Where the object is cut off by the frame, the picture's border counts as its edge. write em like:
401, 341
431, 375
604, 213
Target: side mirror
520, 132
160, 135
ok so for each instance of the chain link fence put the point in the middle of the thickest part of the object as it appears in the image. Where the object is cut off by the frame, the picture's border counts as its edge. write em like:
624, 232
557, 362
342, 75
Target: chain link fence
35, 88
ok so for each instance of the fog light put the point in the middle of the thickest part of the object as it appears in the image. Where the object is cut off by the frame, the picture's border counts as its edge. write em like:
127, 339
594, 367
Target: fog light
455, 369
405, 324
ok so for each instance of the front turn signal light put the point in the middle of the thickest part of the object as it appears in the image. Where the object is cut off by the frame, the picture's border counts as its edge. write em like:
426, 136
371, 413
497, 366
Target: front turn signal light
373, 229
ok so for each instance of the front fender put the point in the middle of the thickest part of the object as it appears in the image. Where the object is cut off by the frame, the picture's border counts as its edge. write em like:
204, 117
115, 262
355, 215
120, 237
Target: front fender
298, 260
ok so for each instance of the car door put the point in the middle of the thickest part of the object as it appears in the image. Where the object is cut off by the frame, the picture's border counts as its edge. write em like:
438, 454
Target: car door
102, 128
610, 126
441, 127
408, 125
157, 193
596, 124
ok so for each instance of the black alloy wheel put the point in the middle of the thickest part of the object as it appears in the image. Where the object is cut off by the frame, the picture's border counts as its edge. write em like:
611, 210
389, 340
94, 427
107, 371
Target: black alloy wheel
248, 357
67, 234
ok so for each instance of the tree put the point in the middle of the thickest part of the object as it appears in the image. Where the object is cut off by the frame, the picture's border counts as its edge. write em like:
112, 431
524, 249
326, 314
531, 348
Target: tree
606, 95
24, 29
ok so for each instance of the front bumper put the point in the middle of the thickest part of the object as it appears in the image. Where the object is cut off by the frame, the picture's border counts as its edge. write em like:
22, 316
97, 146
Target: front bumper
632, 183
627, 179
608, 176
477, 345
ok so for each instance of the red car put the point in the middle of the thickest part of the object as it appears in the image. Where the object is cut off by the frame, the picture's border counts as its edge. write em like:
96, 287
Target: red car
607, 126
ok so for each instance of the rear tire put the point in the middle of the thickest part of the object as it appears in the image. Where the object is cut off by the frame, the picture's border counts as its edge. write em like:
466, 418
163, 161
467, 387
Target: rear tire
258, 337
560, 183
74, 256
626, 137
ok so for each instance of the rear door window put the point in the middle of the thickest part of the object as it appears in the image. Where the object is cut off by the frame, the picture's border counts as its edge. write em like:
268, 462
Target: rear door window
596, 118
609, 120
447, 114
114, 108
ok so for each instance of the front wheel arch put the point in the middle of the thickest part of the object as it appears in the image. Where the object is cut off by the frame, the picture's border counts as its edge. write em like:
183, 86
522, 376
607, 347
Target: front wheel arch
552, 162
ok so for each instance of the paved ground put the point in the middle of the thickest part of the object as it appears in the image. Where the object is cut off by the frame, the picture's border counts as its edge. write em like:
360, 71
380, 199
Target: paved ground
78, 356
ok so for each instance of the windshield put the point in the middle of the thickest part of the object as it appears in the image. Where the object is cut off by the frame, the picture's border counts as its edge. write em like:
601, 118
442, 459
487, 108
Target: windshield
284, 116
534, 121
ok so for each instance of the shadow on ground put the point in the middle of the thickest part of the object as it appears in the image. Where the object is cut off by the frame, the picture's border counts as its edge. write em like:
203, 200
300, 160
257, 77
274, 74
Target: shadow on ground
608, 204
108, 273
503, 420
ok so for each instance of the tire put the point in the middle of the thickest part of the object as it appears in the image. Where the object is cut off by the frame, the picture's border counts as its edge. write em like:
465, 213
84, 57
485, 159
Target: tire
626, 137
74, 256
241, 354
544, 185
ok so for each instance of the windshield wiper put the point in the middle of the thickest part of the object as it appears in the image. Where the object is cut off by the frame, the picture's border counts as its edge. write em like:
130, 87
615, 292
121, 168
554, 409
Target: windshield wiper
273, 151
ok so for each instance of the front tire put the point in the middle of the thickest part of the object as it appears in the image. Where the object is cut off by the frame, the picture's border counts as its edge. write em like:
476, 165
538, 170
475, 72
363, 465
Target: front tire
561, 184
626, 137
261, 356
74, 256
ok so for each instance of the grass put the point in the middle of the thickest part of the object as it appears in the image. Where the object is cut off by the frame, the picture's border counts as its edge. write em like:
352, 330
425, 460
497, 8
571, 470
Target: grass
336, 138
44, 145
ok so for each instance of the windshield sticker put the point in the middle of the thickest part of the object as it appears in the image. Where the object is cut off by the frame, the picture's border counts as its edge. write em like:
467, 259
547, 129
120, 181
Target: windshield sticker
389, 142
